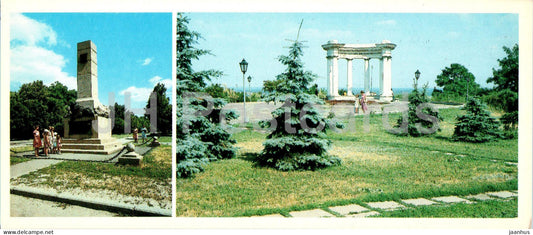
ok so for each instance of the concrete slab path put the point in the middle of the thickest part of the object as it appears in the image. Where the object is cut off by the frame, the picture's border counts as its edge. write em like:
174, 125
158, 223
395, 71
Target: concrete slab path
450, 199
388, 205
363, 215
358, 211
311, 213
503, 194
349, 209
32, 207
418, 202
481, 197
24, 168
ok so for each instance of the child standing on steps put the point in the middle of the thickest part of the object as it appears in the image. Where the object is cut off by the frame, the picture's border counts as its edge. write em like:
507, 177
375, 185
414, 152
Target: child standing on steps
58, 144
53, 140
36, 140
46, 141
135, 135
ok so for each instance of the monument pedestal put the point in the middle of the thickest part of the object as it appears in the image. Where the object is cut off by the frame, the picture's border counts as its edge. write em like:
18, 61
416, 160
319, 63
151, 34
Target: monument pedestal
91, 146
90, 135
131, 158
89, 128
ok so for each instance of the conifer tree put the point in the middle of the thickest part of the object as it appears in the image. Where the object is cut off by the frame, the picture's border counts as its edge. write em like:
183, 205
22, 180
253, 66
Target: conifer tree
199, 137
421, 118
476, 125
297, 140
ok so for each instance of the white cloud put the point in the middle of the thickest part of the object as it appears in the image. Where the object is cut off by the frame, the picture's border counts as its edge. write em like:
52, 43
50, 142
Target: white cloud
141, 94
166, 82
386, 22
147, 61
30, 32
29, 60
31, 63
155, 79
137, 94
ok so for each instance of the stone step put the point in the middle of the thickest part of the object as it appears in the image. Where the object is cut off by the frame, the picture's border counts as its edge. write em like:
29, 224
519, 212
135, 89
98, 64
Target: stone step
85, 141
91, 146
92, 151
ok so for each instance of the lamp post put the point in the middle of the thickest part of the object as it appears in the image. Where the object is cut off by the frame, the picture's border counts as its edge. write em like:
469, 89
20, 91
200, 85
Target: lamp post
467, 85
249, 81
417, 76
244, 66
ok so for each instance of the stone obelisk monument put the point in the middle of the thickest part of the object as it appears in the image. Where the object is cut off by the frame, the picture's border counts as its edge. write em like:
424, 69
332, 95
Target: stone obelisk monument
88, 130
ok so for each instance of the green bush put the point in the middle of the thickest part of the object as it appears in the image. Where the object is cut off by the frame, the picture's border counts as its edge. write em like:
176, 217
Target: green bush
297, 141
192, 157
476, 125
199, 138
421, 120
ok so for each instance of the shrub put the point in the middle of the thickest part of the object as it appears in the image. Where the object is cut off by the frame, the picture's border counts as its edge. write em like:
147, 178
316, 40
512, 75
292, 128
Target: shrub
476, 125
199, 138
422, 119
297, 141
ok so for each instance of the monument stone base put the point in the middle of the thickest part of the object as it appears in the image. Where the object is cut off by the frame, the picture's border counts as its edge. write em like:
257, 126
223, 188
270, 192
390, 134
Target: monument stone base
131, 158
91, 146
82, 136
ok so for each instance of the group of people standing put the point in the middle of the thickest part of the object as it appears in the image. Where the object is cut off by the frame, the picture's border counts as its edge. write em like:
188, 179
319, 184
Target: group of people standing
360, 103
136, 134
50, 141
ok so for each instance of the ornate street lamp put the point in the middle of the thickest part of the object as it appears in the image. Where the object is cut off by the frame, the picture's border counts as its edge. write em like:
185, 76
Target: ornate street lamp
244, 66
467, 85
249, 81
417, 76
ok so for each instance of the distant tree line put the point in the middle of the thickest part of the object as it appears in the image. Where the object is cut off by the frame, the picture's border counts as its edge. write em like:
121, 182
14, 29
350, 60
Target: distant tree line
457, 84
37, 104
216, 90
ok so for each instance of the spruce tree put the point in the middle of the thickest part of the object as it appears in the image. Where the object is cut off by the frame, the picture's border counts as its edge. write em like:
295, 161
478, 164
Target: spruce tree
476, 125
298, 140
421, 120
199, 136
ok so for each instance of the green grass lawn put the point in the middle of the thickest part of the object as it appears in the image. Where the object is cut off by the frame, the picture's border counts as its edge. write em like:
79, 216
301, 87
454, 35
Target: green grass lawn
161, 138
484, 209
377, 166
16, 160
153, 177
165, 139
13, 159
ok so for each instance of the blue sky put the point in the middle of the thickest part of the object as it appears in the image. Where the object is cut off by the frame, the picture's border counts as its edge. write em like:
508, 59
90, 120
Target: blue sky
134, 51
428, 42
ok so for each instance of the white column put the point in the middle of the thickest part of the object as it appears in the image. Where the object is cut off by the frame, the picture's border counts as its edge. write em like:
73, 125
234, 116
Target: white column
349, 76
381, 76
335, 73
387, 74
367, 77
330, 75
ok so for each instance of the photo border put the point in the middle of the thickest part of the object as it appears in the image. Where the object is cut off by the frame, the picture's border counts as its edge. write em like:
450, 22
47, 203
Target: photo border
523, 8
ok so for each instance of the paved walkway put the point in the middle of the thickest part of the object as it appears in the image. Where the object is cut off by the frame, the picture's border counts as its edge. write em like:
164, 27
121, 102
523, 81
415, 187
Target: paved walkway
29, 206
32, 207
375, 208
24, 168
256, 111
